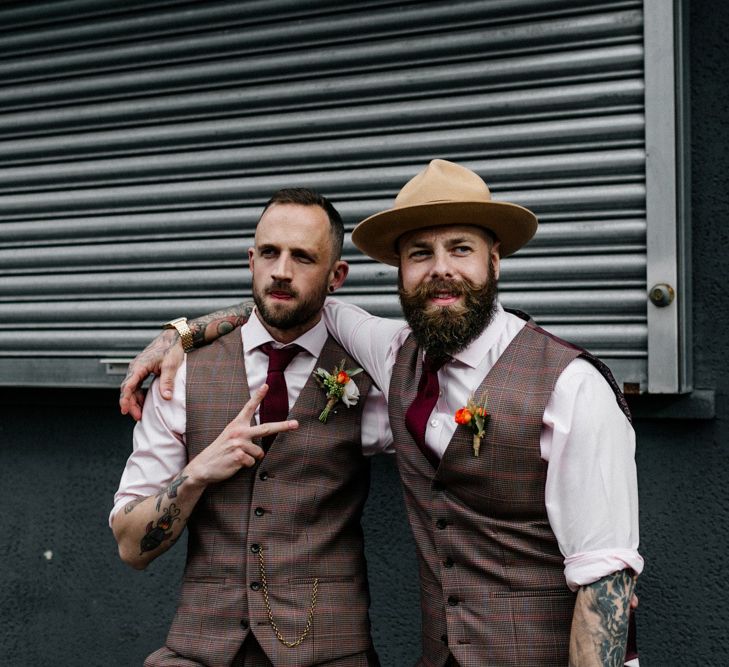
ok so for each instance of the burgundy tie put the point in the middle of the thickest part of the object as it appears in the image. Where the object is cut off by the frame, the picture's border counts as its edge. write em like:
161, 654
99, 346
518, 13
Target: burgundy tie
416, 418
275, 406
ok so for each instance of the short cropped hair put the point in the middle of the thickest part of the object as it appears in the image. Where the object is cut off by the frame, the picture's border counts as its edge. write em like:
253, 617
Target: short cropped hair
307, 197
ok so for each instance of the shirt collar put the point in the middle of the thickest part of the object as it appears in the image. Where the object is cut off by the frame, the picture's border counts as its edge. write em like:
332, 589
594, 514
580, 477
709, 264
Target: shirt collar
255, 334
475, 352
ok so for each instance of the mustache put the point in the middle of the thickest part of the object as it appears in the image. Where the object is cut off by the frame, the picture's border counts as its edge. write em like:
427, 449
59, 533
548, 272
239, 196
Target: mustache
438, 286
281, 286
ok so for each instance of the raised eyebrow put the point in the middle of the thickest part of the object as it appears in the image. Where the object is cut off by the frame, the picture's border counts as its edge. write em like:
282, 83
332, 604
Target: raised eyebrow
419, 245
458, 240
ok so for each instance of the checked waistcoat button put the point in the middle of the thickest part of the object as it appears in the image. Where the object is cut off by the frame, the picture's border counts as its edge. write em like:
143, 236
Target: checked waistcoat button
255, 586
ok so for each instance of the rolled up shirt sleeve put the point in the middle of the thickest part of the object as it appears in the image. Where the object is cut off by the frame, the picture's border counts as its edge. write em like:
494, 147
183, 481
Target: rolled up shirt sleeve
159, 452
591, 489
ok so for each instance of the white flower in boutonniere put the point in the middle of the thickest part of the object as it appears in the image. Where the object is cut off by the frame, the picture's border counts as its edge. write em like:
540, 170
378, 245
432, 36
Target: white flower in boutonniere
339, 386
474, 417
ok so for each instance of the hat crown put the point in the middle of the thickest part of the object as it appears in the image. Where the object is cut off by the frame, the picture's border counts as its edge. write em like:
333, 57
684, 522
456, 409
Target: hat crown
443, 181
443, 194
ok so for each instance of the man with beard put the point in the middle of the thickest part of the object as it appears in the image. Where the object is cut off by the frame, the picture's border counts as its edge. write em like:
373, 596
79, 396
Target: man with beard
275, 570
514, 448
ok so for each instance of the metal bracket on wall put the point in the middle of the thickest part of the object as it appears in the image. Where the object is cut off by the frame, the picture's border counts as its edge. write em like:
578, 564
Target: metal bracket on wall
667, 198
116, 366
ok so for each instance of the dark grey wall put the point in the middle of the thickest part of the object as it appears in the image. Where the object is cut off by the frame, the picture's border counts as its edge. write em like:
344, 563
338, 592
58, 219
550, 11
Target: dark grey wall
60, 466
61, 454
684, 465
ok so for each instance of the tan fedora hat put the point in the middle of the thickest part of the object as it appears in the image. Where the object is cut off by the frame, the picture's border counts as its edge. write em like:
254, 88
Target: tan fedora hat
443, 193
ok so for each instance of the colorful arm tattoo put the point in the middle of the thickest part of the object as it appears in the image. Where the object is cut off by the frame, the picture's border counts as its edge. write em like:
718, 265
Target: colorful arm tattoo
158, 532
206, 328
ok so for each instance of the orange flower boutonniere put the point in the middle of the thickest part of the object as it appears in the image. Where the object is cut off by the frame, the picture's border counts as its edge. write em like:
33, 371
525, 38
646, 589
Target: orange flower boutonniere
338, 386
474, 416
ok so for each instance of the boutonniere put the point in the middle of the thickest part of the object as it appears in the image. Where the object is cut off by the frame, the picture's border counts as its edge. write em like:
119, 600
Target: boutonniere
474, 416
338, 386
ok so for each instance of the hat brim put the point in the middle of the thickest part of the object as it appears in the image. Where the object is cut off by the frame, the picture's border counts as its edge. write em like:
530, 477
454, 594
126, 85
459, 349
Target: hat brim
377, 235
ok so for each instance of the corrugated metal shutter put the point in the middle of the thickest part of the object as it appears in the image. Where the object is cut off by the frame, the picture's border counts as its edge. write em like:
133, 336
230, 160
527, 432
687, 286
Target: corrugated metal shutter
139, 140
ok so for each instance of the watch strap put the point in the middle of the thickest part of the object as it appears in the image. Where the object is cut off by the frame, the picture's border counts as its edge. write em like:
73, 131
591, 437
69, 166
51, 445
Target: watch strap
183, 328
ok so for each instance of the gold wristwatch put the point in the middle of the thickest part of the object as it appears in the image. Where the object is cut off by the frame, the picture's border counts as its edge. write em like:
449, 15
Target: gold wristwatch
180, 324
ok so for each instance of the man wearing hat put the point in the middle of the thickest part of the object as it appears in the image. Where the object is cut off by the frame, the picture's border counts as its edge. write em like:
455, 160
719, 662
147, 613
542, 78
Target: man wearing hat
514, 447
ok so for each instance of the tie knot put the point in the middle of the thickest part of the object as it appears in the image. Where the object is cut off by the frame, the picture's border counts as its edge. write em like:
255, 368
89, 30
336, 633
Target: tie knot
433, 364
279, 357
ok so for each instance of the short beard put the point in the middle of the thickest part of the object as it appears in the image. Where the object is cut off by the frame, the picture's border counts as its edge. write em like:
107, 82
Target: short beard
288, 318
443, 331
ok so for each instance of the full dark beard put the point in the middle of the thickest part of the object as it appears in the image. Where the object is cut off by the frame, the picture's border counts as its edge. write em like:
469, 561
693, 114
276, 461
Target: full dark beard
288, 318
444, 330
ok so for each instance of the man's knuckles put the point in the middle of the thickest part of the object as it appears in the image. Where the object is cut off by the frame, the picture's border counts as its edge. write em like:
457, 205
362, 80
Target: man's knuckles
240, 434
244, 457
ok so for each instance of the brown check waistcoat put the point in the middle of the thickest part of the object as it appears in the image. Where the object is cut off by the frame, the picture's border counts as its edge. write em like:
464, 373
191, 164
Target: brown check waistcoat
492, 577
302, 505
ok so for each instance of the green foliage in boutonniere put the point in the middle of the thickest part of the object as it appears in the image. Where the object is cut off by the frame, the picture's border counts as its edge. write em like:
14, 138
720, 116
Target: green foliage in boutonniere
475, 417
338, 386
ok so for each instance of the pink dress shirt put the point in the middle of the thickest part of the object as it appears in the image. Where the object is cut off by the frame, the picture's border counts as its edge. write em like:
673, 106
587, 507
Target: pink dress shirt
591, 490
159, 452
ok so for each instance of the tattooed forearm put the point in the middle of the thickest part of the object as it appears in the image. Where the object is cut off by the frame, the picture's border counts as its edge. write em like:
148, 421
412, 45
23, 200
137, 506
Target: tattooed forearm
132, 504
206, 328
171, 490
159, 531
600, 622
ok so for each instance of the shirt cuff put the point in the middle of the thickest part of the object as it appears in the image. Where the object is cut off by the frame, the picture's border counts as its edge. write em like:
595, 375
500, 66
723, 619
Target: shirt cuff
582, 569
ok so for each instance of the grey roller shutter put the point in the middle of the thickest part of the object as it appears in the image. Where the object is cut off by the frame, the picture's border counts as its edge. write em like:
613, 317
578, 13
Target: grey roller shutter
139, 140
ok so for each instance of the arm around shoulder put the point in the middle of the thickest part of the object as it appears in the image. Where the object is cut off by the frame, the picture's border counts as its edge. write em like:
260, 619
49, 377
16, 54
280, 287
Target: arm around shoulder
164, 355
368, 338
